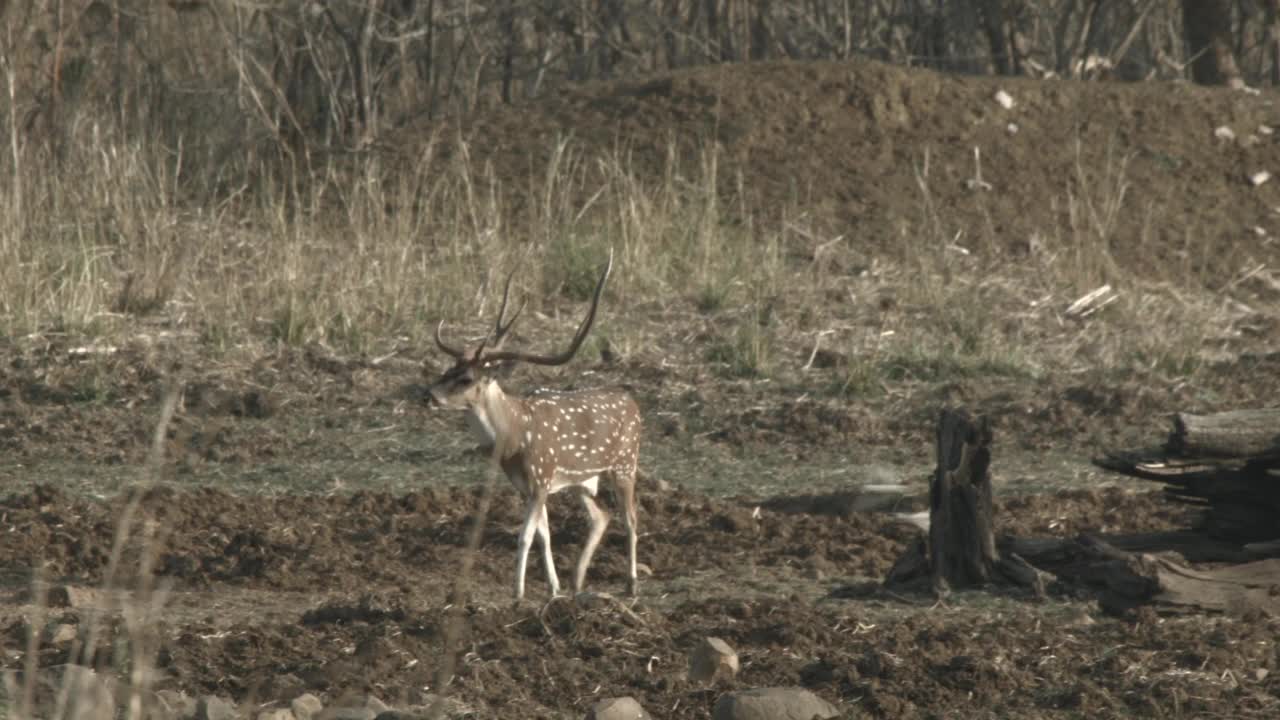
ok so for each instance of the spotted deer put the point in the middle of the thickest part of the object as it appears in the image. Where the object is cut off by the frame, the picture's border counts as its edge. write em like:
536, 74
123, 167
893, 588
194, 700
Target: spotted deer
548, 441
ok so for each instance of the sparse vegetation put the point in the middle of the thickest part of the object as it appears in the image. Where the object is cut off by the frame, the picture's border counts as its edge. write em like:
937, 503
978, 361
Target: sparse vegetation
808, 263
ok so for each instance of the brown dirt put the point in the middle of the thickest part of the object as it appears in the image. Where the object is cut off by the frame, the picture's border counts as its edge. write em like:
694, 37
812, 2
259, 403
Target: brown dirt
849, 139
275, 592
345, 593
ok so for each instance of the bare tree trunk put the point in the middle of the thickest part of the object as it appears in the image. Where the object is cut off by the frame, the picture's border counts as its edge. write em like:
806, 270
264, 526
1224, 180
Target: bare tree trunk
507, 29
760, 30
1001, 22
1207, 27
1273, 39
670, 26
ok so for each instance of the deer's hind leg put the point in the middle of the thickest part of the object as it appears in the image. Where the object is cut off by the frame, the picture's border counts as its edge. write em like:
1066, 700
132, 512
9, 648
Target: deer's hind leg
599, 521
548, 560
625, 483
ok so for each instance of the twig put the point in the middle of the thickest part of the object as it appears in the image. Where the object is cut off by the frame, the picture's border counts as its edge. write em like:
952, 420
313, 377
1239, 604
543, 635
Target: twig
453, 624
817, 343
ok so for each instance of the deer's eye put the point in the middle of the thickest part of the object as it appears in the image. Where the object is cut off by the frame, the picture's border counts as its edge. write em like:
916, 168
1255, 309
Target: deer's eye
465, 381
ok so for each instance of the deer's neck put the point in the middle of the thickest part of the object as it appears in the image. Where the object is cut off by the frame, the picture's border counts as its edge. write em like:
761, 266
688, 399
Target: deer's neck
497, 420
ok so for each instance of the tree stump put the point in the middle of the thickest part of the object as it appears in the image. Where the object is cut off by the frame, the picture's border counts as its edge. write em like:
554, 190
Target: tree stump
961, 548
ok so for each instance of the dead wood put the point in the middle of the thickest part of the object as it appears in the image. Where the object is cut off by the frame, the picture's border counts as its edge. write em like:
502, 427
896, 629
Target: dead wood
961, 548
1125, 580
1227, 463
1233, 434
1050, 553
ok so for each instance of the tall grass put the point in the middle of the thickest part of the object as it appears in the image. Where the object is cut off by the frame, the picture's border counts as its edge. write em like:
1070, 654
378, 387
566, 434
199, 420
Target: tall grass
131, 591
365, 258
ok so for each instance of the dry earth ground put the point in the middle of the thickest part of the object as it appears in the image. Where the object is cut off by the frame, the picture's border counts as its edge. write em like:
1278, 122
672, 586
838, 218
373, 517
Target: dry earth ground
313, 511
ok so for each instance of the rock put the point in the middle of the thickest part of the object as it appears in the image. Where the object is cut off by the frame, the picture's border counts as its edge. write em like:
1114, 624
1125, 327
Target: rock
174, 705
354, 707
70, 596
619, 708
713, 658
277, 714
436, 707
776, 703
89, 696
347, 713
306, 706
62, 633
211, 707
283, 687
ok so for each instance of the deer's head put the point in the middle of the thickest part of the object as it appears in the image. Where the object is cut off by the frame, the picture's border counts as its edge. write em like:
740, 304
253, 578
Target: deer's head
474, 373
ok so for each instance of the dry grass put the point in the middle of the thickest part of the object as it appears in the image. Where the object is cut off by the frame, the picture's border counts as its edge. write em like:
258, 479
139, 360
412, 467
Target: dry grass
130, 592
365, 260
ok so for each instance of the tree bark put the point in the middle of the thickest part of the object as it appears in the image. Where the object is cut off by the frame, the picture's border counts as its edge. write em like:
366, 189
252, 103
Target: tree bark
1273, 39
1206, 24
1234, 434
1125, 580
961, 549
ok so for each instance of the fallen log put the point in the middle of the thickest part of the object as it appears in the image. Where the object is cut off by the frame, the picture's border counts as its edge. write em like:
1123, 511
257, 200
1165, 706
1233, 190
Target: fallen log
1050, 553
1227, 463
1126, 580
961, 549
1232, 434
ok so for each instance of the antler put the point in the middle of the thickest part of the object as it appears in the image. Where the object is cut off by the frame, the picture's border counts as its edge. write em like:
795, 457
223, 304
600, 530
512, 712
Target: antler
447, 348
581, 335
500, 330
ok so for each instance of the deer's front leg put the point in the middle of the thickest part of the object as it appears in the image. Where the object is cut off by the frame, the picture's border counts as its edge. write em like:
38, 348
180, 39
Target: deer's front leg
533, 512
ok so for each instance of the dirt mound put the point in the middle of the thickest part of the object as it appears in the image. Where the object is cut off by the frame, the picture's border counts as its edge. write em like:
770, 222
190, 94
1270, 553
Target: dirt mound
853, 142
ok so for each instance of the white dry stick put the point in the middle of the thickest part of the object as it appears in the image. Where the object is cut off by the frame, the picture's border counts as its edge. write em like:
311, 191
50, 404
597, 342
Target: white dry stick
817, 343
1092, 302
976, 182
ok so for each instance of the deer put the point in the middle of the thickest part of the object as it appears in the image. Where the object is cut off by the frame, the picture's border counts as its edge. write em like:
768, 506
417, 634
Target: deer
548, 441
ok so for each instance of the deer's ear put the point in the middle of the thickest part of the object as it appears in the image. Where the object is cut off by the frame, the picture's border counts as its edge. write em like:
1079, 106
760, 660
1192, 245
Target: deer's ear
501, 368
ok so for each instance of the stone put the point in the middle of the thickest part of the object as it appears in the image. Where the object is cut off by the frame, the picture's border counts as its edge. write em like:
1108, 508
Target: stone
282, 687
89, 696
775, 703
347, 713
71, 596
212, 707
277, 714
712, 659
353, 707
62, 633
175, 705
618, 708
436, 707
306, 706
